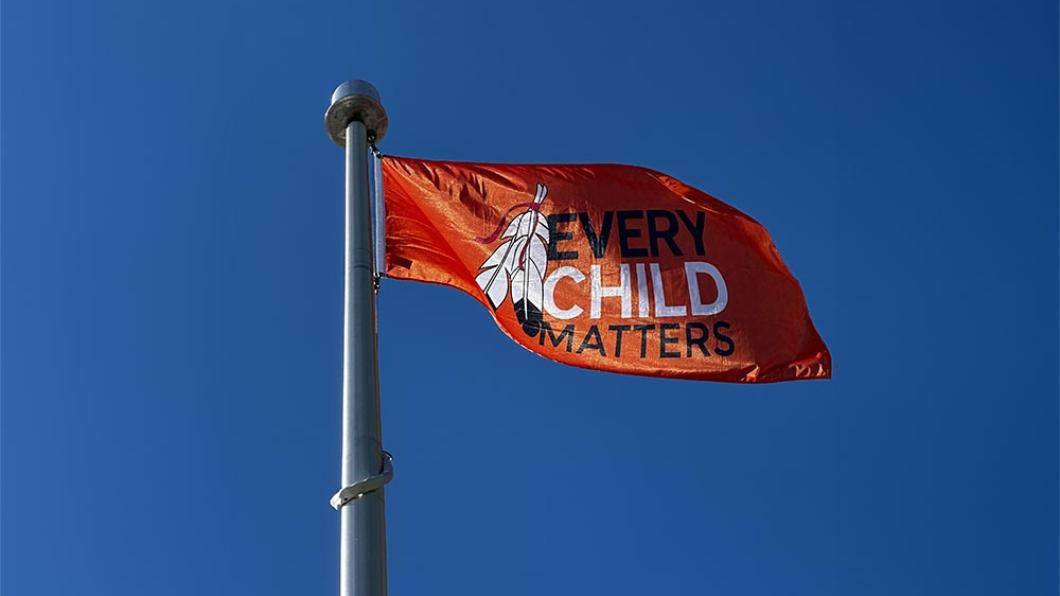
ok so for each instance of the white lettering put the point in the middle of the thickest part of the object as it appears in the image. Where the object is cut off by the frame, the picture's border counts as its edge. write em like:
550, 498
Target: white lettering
642, 291
550, 293
622, 290
698, 308
661, 308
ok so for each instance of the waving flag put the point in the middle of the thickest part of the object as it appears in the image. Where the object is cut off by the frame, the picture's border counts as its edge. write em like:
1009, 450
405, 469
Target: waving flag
609, 267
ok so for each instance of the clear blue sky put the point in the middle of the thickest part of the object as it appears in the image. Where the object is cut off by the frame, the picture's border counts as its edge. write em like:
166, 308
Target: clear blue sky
171, 245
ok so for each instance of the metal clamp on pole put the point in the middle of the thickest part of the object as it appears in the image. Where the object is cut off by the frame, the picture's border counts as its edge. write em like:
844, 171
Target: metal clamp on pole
366, 485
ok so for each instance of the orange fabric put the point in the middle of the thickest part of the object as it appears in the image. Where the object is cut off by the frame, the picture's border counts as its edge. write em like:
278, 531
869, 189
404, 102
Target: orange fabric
608, 267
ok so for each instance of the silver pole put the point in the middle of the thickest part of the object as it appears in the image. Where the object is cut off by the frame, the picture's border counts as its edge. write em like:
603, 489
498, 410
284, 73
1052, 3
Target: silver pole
356, 115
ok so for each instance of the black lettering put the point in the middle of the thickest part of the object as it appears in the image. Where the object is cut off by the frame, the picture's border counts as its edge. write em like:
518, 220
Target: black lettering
618, 329
598, 244
555, 236
722, 338
568, 332
655, 234
665, 341
644, 329
696, 229
625, 233
700, 341
597, 344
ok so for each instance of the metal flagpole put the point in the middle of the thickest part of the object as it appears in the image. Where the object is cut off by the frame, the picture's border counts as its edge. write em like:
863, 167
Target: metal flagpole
354, 118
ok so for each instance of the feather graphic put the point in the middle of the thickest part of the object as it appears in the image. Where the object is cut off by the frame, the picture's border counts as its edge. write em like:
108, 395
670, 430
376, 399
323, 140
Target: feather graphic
519, 263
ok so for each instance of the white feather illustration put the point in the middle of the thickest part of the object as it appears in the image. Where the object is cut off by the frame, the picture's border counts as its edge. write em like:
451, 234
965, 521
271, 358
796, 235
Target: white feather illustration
519, 264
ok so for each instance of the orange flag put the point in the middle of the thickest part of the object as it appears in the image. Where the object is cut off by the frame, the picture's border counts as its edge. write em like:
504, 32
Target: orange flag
609, 267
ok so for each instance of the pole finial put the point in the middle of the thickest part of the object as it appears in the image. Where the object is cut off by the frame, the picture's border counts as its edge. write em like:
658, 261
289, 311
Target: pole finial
355, 100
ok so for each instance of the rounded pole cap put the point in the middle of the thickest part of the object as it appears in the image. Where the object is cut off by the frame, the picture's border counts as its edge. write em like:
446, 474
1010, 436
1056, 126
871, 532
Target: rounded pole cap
355, 100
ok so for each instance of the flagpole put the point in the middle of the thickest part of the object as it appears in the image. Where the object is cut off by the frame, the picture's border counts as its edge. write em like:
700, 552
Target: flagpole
355, 117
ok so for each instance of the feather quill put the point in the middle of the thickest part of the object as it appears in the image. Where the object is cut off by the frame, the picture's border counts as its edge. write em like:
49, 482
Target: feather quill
519, 264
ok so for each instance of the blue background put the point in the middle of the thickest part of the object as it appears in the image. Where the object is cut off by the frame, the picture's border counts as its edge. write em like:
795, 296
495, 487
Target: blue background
172, 273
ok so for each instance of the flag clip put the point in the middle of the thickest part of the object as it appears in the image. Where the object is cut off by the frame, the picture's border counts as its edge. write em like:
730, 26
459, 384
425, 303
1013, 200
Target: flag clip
362, 487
